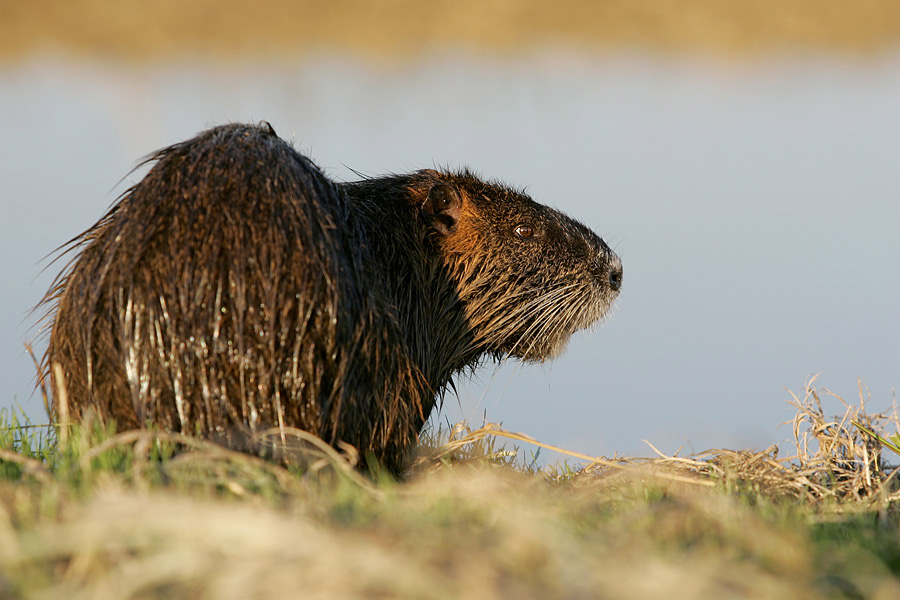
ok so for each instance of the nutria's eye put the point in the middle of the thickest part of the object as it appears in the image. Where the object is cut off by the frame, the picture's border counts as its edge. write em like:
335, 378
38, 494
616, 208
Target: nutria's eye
524, 231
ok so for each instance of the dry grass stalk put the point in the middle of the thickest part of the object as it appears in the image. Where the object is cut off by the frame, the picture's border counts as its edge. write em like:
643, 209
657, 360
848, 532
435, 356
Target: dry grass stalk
834, 460
29, 465
834, 454
205, 461
62, 403
462, 436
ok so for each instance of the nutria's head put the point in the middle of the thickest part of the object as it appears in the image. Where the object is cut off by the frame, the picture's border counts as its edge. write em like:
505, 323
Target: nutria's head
528, 275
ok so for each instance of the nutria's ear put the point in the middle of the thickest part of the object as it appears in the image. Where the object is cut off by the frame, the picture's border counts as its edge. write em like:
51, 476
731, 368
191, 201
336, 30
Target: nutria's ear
442, 207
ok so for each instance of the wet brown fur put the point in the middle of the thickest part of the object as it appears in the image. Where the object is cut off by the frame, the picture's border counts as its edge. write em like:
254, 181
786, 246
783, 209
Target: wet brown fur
236, 288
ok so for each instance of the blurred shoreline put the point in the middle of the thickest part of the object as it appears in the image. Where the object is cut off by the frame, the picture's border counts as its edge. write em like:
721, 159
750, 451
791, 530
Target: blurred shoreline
403, 29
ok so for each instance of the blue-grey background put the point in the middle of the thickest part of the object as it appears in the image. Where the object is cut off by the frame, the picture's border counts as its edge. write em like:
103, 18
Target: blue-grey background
756, 207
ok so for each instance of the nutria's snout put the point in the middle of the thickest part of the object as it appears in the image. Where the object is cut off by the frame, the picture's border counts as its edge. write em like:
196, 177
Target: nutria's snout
615, 271
606, 268
615, 278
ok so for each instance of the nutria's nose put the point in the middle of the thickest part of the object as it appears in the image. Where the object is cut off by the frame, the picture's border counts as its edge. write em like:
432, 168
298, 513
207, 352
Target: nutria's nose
615, 278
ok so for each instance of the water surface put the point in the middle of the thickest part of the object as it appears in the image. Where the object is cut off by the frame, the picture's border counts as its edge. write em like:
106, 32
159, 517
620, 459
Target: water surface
755, 207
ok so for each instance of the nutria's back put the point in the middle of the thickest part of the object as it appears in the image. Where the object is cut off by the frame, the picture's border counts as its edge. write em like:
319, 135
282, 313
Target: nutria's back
236, 288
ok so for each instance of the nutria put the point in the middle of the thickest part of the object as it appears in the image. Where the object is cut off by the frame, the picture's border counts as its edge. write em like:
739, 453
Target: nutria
236, 288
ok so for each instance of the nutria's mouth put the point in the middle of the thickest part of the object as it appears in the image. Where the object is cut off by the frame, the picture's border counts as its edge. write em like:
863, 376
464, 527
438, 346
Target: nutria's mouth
550, 319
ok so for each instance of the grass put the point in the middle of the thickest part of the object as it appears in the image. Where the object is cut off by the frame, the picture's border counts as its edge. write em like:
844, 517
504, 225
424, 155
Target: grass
153, 515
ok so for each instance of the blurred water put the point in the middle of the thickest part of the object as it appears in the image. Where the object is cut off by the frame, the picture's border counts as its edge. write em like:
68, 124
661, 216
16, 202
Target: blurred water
755, 207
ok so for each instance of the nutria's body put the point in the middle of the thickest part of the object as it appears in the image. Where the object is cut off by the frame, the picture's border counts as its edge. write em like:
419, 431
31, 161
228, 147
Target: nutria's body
236, 288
